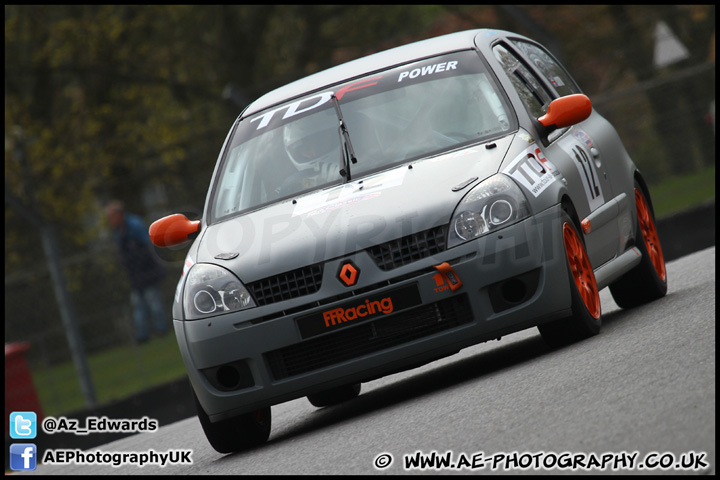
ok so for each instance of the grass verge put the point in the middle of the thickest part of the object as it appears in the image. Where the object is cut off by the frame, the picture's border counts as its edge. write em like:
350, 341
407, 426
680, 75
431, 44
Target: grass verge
116, 373
676, 194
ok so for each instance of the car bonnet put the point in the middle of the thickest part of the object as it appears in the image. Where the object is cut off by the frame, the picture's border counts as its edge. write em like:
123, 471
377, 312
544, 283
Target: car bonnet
349, 218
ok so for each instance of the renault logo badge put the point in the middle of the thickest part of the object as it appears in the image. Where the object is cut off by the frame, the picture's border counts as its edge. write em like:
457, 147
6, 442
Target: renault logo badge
348, 273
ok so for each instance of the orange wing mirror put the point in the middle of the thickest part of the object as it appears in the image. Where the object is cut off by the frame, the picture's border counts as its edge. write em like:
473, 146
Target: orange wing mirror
173, 230
567, 111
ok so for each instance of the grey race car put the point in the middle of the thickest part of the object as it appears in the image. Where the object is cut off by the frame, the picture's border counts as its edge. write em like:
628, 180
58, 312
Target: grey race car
395, 209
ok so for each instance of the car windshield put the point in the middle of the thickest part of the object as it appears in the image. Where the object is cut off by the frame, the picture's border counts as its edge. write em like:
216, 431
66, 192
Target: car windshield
394, 116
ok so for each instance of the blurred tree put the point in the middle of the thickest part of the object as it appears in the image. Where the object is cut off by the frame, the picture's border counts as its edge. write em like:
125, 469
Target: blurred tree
674, 107
111, 98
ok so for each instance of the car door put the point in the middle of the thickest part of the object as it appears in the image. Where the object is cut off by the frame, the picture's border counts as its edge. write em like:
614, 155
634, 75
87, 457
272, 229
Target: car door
538, 79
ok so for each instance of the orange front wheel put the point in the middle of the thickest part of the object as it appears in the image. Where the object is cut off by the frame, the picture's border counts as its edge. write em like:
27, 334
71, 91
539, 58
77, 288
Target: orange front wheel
585, 318
581, 270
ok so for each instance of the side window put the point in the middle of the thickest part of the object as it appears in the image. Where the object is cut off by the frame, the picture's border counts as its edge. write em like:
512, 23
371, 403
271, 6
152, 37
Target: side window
532, 93
549, 68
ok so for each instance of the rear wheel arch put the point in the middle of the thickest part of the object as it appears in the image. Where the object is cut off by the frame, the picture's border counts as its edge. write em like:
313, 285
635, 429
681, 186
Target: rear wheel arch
645, 190
647, 281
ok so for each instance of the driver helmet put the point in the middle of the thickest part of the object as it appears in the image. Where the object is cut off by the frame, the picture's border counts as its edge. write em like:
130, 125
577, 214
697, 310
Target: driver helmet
311, 142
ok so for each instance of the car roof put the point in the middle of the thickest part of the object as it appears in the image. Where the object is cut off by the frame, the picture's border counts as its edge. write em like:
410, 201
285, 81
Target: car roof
371, 63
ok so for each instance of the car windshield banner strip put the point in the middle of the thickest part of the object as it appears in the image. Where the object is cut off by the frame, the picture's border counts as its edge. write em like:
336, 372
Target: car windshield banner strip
444, 66
365, 308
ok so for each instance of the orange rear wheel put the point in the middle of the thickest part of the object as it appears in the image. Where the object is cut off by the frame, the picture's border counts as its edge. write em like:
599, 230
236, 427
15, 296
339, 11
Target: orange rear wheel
648, 280
649, 233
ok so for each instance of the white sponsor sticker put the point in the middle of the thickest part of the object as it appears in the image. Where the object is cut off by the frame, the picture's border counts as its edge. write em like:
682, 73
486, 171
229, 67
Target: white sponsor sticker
532, 170
427, 70
349, 193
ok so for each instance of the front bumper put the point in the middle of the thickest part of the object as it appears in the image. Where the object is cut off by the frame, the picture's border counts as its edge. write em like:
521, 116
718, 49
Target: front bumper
512, 279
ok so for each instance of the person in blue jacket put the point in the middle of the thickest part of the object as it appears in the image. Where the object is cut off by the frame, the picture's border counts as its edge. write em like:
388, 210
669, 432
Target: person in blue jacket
144, 271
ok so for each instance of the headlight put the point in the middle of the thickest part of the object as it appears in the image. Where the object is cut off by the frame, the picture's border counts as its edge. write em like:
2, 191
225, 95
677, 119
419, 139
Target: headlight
495, 203
211, 290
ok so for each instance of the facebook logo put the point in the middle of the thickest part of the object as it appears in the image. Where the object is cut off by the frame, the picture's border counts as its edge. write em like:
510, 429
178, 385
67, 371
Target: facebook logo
23, 456
23, 425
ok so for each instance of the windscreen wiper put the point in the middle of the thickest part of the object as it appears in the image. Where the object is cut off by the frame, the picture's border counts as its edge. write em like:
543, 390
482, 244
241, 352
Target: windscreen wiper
348, 154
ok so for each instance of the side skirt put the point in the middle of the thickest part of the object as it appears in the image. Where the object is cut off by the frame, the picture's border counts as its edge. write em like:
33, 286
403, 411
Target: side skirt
616, 268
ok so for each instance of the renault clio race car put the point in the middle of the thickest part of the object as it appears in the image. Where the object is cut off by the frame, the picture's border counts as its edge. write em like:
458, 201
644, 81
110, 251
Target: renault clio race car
395, 209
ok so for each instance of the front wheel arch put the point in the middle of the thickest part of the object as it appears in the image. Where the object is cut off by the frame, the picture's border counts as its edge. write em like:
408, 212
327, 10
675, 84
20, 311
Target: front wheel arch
237, 433
568, 207
582, 322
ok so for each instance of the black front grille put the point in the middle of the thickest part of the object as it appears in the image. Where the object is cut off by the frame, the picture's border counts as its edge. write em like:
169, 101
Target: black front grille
370, 337
408, 249
387, 256
285, 286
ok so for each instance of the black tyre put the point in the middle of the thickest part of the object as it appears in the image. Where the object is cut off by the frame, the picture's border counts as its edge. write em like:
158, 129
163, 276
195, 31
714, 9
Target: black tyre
237, 433
335, 395
648, 280
586, 318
